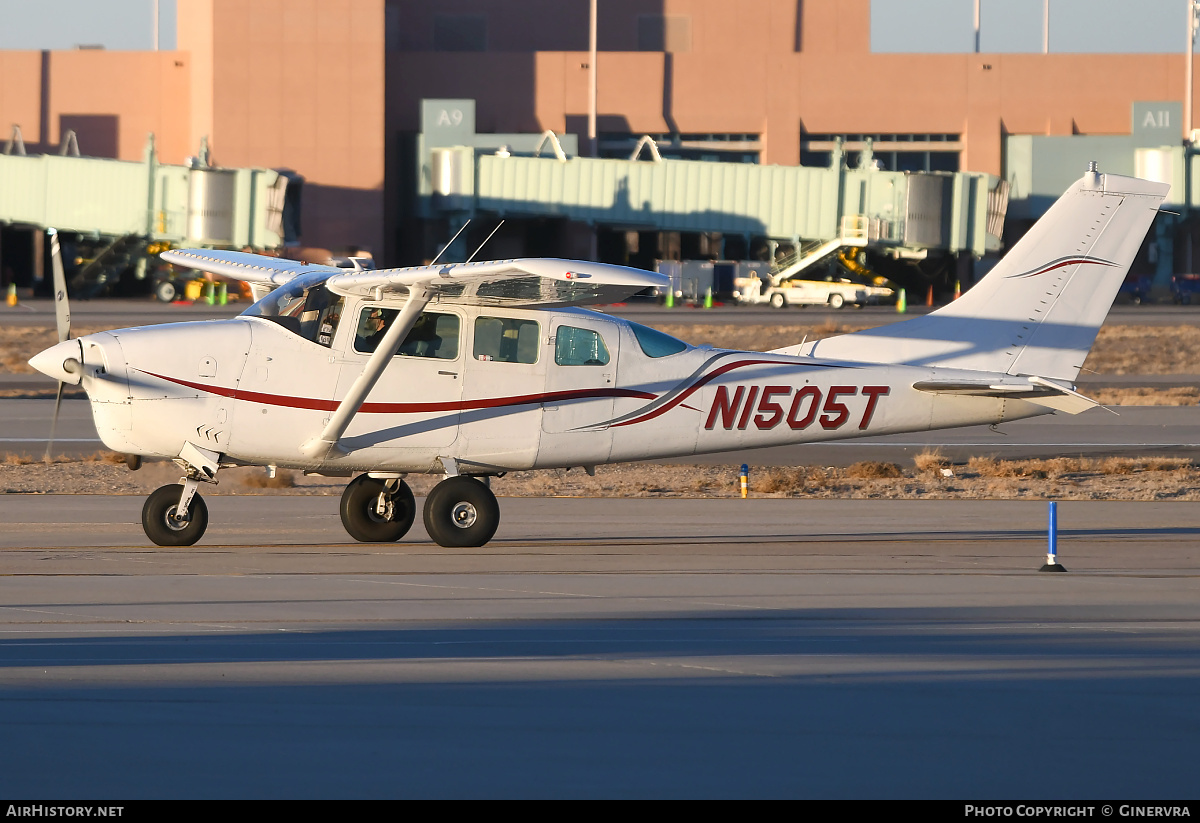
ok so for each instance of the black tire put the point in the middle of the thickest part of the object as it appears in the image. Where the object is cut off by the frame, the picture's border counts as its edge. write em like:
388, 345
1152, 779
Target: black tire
778, 301
160, 524
836, 301
364, 523
166, 291
460, 512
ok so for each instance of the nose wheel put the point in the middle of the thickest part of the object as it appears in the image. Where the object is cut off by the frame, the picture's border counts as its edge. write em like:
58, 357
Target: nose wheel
460, 512
377, 510
163, 522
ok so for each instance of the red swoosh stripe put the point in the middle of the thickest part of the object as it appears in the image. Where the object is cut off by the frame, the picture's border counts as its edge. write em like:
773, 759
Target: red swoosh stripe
666, 407
316, 404
1068, 262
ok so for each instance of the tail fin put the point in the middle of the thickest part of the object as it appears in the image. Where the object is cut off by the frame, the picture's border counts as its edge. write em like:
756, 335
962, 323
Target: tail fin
1038, 311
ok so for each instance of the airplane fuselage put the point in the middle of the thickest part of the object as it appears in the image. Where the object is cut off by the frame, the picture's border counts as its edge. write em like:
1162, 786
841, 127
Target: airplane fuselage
494, 390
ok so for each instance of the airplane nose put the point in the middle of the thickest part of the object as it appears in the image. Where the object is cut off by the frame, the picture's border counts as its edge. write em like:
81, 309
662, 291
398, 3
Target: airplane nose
62, 361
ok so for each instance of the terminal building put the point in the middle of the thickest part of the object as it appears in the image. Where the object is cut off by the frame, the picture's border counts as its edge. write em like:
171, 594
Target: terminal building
771, 124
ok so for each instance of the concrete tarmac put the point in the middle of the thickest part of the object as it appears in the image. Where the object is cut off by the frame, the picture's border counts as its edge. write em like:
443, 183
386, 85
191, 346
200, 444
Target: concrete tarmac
603, 648
1136, 431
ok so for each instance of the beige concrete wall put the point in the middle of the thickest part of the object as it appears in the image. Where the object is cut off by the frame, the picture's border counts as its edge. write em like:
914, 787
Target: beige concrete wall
194, 37
112, 99
299, 84
759, 66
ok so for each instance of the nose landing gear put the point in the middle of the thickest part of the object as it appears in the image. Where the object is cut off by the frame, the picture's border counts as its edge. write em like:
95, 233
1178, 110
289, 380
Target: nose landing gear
173, 517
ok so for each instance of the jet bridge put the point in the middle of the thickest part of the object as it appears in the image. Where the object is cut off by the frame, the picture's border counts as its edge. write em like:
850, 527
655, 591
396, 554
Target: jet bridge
895, 217
113, 211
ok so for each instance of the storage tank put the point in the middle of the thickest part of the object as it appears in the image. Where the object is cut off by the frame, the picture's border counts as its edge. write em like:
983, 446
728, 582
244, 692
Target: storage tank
211, 196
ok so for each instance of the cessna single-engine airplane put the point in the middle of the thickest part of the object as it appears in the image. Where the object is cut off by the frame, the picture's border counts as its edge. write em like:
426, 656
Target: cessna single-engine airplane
476, 369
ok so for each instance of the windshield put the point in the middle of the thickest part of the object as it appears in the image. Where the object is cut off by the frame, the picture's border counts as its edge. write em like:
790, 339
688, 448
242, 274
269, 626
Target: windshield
655, 343
303, 306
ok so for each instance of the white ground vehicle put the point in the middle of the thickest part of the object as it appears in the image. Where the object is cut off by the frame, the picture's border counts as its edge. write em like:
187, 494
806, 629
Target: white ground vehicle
833, 293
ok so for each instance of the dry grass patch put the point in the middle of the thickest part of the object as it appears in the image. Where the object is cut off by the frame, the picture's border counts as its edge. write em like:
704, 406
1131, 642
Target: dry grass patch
283, 479
931, 460
1145, 350
874, 470
1147, 396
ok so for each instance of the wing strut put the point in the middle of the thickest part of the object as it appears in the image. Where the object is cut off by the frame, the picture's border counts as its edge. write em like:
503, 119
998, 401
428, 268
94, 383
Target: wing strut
324, 444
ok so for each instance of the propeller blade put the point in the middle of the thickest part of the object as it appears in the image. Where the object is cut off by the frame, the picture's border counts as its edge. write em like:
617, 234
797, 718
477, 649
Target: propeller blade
62, 308
54, 421
62, 318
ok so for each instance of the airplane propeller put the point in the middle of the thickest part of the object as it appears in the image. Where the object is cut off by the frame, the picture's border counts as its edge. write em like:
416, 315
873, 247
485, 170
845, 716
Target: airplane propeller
62, 317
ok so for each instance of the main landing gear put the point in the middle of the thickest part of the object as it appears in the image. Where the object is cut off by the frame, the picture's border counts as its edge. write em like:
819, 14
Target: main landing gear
459, 512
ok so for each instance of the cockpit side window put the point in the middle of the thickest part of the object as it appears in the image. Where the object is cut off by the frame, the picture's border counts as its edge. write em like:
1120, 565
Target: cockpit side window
433, 335
304, 307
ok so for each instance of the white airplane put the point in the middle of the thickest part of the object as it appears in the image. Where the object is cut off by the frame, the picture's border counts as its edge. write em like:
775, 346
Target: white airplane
477, 369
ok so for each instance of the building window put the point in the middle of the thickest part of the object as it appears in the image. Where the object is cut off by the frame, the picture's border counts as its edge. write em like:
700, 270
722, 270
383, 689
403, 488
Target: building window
889, 152
716, 148
459, 32
661, 32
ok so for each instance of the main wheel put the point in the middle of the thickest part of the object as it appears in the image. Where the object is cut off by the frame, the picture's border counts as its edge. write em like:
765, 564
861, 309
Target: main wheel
161, 524
461, 511
778, 301
361, 515
836, 301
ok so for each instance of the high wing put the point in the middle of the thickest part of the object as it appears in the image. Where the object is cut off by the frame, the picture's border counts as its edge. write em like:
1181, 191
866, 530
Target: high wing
527, 282
261, 272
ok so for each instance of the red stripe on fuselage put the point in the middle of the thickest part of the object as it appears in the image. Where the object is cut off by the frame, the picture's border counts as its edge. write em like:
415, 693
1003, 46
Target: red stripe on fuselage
316, 404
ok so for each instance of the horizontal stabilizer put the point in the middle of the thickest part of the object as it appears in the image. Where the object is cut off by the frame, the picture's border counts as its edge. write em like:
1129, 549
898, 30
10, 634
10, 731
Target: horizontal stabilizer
1038, 390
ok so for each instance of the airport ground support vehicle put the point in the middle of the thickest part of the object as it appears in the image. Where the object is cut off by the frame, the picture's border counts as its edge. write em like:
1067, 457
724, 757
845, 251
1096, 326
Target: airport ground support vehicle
476, 369
834, 293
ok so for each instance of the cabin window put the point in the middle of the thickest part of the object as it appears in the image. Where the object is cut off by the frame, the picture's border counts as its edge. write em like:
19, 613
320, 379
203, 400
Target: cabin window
579, 347
655, 343
433, 335
304, 307
506, 339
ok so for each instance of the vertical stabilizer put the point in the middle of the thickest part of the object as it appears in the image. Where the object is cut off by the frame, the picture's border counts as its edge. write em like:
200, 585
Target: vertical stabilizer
1038, 311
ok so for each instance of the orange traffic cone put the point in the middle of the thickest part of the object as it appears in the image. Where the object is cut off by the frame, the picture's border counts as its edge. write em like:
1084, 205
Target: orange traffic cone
929, 297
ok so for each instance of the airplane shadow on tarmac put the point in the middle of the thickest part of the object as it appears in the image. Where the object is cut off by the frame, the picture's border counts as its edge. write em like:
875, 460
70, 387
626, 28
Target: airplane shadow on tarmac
825, 702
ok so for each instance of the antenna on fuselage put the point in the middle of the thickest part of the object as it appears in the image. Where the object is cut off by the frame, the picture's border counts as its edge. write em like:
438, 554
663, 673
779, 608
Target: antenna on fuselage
485, 242
451, 243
